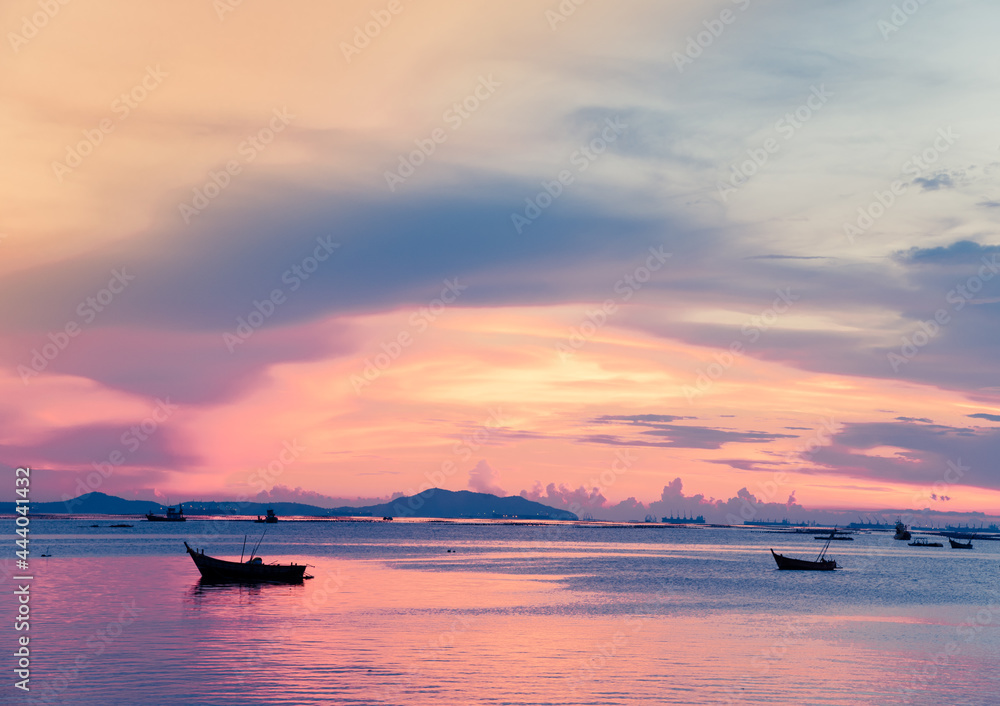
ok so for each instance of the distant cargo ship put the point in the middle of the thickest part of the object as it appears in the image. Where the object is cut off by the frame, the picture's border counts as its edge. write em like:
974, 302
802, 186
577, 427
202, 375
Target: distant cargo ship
699, 520
775, 523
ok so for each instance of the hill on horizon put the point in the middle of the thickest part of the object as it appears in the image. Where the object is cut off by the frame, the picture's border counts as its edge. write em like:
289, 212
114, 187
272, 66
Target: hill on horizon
434, 502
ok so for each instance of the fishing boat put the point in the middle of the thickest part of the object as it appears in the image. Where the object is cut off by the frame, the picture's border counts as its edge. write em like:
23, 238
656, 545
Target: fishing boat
171, 516
925, 543
901, 531
253, 570
821, 563
960, 545
787, 562
270, 518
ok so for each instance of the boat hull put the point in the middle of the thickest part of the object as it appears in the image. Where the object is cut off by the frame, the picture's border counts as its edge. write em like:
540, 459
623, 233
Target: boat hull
960, 545
219, 570
160, 518
788, 563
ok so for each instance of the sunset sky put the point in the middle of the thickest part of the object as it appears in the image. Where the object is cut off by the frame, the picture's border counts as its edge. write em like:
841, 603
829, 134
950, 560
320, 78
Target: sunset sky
574, 250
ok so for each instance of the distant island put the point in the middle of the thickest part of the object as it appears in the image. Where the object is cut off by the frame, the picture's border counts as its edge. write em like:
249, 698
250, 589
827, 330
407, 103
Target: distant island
435, 502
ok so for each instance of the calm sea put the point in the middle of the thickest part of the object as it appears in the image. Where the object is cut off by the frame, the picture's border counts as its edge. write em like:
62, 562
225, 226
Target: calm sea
412, 612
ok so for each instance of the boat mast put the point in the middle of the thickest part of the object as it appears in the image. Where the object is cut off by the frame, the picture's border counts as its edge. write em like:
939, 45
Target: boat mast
828, 540
254, 552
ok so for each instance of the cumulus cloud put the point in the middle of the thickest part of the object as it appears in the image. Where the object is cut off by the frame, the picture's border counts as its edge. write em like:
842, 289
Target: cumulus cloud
484, 479
283, 493
565, 497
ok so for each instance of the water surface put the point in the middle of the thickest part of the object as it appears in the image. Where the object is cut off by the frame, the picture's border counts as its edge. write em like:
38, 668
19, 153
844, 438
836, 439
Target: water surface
445, 613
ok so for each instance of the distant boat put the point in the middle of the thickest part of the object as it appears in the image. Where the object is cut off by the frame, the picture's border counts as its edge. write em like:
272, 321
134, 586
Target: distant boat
253, 570
925, 543
119, 525
835, 537
172, 515
821, 563
270, 518
960, 545
901, 531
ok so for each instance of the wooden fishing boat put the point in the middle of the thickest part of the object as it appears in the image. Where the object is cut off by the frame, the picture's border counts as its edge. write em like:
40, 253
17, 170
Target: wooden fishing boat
921, 542
821, 563
270, 518
254, 570
172, 515
787, 562
960, 545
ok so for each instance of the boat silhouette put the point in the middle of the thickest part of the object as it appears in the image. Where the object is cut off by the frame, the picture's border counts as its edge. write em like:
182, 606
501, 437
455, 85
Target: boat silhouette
171, 516
821, 563
220, 570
